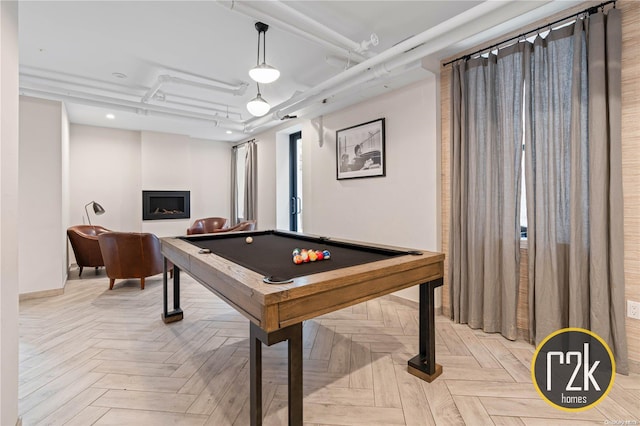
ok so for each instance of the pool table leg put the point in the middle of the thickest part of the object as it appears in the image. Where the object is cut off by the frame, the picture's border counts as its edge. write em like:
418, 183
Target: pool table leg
295, 376
255, 377
424, 364
257, 336
176, 314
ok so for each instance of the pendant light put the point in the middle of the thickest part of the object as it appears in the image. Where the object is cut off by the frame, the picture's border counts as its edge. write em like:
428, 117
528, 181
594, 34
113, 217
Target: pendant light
262, 72
258, 106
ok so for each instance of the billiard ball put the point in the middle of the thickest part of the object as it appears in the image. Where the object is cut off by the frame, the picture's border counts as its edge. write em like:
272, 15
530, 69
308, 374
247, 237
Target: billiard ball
313, 256
295, 252
326, 254
249, 240
319, 254
297, 259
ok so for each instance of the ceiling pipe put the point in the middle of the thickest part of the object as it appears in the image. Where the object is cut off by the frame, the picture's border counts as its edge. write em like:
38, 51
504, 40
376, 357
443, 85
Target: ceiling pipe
195, 104
356, 71
40, 74
360, 92
381, 71
63, 97
44, 82
36, 82
323, 39
345, 98
154, 89
302, 21
440, 39
237, 90
339, 62
322, 103
130, 106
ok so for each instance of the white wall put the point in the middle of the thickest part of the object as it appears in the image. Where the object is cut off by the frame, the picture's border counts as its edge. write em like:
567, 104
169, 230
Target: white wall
267, 179
179, 163
105, 167
9, 213
210, 179
113, 167
41, 193
399, 209
64, 181
165, 166
282, 180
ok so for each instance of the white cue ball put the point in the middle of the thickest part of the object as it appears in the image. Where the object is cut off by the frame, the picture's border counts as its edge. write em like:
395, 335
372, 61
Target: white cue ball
249, 240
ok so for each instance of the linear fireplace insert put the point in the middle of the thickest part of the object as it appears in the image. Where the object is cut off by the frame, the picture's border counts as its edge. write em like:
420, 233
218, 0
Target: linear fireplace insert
157, 205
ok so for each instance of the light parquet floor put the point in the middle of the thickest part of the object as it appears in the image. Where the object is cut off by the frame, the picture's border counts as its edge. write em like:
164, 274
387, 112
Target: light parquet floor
99, 357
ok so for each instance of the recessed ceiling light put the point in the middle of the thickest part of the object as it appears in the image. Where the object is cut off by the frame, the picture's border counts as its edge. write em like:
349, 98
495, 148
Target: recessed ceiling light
229, 132
110, 116
119, 75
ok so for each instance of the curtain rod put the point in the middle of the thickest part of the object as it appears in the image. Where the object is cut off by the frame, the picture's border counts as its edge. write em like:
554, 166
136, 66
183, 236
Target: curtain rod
590, 10
243, 143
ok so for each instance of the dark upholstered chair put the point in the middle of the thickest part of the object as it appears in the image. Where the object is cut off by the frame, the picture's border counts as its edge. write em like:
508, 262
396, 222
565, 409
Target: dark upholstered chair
84, 241
208, 225
130, 255
247, 225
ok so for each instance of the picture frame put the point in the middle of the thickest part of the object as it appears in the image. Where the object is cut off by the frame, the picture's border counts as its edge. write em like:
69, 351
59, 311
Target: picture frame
360, 150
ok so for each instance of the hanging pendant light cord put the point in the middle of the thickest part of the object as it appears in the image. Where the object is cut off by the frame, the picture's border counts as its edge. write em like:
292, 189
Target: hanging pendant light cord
264, 46
258, 56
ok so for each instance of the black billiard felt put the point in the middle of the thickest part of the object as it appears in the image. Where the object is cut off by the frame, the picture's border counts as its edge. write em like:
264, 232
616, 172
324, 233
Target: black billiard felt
270, 253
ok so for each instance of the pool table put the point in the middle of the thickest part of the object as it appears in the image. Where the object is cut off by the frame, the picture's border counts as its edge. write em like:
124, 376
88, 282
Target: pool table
260, 280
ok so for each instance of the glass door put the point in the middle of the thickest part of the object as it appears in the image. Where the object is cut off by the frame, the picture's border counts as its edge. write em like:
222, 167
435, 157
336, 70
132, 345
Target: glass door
295, 182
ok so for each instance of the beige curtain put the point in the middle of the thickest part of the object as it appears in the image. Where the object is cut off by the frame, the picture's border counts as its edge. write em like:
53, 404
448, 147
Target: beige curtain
574, 183
571, 81
247, 194
251, 182
234, 186
486, 149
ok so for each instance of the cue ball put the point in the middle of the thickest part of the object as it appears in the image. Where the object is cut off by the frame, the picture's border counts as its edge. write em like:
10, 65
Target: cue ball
249, 240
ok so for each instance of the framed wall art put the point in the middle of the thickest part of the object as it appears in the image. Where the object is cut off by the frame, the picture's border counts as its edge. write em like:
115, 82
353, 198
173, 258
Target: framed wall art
360, 151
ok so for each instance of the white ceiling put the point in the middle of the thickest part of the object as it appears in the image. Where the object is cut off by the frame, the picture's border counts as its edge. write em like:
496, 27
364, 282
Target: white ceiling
186, 62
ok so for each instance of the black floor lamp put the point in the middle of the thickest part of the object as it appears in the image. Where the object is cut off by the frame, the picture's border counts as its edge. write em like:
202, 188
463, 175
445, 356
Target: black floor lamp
97, 209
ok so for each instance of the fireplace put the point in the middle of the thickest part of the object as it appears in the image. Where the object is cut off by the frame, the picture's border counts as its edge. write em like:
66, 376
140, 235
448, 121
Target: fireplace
157, 205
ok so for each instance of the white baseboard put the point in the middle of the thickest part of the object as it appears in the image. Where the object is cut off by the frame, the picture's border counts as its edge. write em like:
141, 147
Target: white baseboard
41, 294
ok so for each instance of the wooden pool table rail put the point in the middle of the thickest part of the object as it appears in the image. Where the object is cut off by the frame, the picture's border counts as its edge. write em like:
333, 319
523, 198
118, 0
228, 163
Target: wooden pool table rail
274, 306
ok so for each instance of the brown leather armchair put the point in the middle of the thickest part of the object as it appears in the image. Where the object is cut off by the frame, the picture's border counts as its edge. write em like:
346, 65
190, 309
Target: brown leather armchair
84, 241
247, 225
131, 255
208, 225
